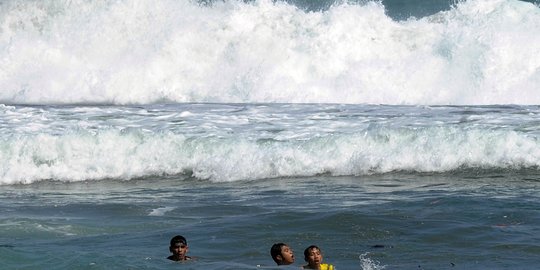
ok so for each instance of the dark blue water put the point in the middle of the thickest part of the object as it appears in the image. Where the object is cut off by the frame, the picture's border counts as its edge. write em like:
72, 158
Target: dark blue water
397, 9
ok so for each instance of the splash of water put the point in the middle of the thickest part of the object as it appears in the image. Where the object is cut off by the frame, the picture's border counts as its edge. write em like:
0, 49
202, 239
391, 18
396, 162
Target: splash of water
141, 52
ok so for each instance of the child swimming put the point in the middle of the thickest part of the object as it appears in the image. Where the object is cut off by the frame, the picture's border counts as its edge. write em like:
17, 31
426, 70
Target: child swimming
282, 254
313, 256
179, 248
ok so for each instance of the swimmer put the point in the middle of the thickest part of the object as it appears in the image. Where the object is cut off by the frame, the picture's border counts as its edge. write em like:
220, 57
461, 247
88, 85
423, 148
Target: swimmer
282, 254
313, 256
179, 249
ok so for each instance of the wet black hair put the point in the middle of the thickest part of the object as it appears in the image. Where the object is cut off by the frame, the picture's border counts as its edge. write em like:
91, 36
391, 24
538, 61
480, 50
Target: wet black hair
306, 251
178, 240
276, 250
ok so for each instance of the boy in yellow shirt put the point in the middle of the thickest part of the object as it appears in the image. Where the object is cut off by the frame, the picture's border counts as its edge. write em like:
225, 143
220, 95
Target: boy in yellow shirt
313, 256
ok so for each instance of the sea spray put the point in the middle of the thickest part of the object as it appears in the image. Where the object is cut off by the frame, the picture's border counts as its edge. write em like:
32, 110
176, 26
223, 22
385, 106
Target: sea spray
133, 153
143, 52
367, 263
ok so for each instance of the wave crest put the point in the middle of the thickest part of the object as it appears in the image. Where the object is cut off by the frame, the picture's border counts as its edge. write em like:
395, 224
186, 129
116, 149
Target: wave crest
133, 154
141, 52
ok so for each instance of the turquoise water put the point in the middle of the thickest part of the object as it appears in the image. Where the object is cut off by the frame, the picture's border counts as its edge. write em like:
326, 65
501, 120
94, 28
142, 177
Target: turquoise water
472, 220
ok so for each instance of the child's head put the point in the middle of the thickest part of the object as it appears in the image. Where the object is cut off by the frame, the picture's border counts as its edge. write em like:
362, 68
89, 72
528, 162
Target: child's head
282, 254
313, 256
179, 247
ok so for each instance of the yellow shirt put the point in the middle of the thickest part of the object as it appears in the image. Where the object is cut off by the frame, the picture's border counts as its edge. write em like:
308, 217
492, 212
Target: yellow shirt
326, 266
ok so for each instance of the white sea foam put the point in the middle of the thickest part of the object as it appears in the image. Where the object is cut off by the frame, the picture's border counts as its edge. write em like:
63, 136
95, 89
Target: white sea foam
140, 52
161, 211
129, 154
369, 264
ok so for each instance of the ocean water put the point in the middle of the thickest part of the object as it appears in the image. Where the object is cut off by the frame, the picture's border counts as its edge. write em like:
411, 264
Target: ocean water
392, 134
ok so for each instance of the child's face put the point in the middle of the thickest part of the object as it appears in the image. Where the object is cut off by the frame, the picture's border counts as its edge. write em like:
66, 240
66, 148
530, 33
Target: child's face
314, 257
179, 250
287, 255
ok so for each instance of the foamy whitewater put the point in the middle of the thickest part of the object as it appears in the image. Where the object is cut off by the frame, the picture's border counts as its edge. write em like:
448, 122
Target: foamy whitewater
228, 142
141, 52
393, 134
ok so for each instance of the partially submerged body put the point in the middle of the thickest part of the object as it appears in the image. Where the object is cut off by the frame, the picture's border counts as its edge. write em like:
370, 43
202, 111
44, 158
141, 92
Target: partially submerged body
313, 256
179, 248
